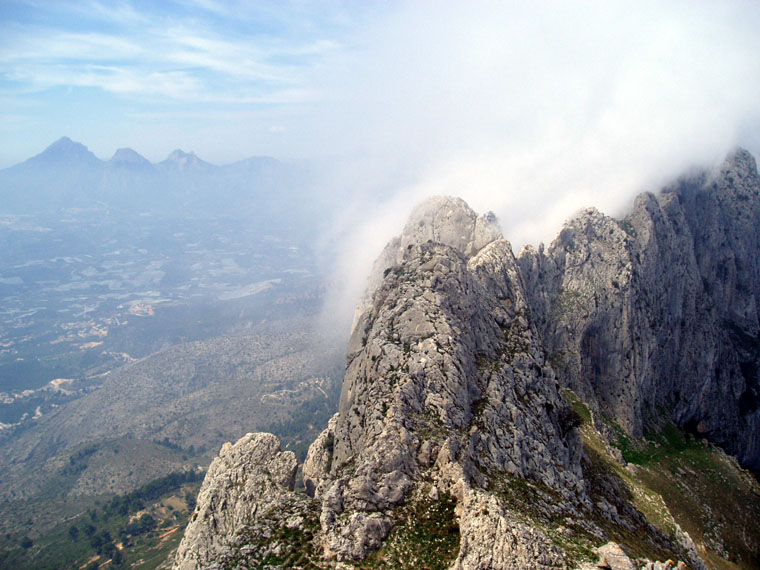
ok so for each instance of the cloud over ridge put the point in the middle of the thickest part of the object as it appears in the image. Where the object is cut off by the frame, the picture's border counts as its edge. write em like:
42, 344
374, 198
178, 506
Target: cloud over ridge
537, 110
530, 109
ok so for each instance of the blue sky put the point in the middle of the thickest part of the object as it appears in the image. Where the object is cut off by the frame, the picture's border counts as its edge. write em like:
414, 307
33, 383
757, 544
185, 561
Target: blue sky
530, 109
157, 75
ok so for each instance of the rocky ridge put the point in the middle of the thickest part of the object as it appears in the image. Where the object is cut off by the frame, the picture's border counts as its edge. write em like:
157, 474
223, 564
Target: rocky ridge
451, 406
250, 483
655, 317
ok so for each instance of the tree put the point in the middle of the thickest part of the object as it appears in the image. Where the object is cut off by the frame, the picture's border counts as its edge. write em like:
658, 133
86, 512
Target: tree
117, 558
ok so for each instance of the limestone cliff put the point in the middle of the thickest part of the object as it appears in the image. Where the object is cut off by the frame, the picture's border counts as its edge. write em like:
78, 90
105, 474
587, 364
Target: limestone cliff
456, 447
440, 219
245, 500
655, 317
446, 389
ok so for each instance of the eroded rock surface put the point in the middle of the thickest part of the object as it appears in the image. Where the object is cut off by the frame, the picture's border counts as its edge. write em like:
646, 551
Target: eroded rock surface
245, 499
446, 382
655, 317
439, 219
451, 394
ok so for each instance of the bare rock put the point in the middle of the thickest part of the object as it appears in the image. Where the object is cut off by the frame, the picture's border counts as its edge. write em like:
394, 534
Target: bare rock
319, 459
659, 311
494, 537
440, 219
246, 493
446, 381
613, 557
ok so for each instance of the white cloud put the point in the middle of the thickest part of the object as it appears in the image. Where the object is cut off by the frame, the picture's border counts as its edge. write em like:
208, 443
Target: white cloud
530, 109
534, 110
175, 55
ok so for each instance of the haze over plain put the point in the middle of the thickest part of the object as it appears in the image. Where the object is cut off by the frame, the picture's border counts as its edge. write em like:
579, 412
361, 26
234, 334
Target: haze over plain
530, 110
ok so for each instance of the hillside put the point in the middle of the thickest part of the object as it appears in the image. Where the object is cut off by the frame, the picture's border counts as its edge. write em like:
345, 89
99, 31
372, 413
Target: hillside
164, 414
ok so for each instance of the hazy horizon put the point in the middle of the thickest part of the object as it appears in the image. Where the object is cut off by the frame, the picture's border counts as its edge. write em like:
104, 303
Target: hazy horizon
533, 111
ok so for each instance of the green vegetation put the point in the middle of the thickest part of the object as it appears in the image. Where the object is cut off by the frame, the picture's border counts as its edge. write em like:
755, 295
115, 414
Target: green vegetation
676, 481
191, 450
36, 371
578, 406
425, 536
670, 442
78, 461
281, 547
139, 528
708, 495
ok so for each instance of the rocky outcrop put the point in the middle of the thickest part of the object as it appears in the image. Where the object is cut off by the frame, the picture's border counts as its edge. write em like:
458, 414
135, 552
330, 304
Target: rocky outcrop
245, 501
655, 317
440, 219
452, 429
446, 384
447, 397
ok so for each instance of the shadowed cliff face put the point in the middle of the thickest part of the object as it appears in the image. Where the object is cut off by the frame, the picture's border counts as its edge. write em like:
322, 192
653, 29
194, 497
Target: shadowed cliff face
655, 317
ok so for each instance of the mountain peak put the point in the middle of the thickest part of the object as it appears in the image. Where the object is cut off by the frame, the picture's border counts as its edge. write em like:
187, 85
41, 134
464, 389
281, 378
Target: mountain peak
65, 149
440, 219
128, 156
181, 160
179, 154
63, 141
741, 162
449, 220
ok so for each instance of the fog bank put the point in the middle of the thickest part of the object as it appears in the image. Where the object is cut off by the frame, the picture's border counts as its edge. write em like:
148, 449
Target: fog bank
531, 111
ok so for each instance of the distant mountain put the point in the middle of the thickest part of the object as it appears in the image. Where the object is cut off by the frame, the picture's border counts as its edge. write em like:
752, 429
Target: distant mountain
184, 162
65, 174
256, 164
64, 151
128, 157
68, 175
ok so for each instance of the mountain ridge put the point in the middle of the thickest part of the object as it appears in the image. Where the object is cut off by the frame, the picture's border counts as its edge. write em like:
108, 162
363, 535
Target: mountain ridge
65, 148
641, 308
451, 404
67, 175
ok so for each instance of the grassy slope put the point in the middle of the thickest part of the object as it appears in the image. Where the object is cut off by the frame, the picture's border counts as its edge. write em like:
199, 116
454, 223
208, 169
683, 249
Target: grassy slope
674, 480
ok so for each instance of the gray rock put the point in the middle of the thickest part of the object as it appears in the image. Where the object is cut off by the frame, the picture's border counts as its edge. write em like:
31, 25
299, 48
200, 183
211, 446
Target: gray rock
659, 311
613, 557
246, 493
449, 392
439, 219
318, 459
446, 381
494, 537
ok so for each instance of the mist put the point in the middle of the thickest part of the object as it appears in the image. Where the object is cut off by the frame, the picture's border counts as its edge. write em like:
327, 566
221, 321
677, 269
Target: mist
531, 111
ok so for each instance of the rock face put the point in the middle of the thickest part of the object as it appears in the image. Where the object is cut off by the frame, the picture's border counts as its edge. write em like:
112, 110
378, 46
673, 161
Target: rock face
655, 317
447, 396
446, 383
451, 402
245, 496
440, 219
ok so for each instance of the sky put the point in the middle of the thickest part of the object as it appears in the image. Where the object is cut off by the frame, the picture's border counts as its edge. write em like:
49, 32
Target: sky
220, 78
530, 109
